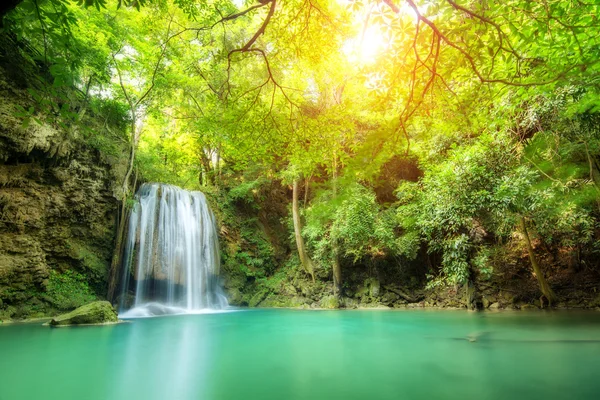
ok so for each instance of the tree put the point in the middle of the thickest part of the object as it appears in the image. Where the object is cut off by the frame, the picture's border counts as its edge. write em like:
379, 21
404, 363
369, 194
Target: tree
493, 106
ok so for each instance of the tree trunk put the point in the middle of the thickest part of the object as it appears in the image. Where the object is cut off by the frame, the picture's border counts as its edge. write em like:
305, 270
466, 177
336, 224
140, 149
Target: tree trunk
544, 286
82, 110
594, 178
304, 258
470, 295
131, 158
306, 184
116, 259
337, 269
217, 168
207, 169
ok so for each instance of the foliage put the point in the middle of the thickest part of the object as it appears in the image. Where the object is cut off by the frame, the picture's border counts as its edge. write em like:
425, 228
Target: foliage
496, 104
246, 191
476, 197
68, 290
353, 219
258, 258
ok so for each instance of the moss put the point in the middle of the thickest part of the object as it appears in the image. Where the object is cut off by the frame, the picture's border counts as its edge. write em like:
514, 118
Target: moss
89, 260
274, 300
258, 297
98, 312
330, 302
67, 290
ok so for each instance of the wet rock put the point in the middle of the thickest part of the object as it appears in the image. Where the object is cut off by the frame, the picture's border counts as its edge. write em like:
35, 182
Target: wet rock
528, 307
58, 208
234, 296
276, 300
373, 286
349, 302
98, 312
361, 291
258, 298
494, 306
486, 302
330, 302
299, 301
389, 298
508, 298
374, 306
126, 300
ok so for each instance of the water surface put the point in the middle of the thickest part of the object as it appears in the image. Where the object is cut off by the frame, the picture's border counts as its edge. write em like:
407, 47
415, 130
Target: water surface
288, 354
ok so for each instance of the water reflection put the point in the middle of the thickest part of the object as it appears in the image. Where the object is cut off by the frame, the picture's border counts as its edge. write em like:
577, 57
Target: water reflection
284, 354
166, 359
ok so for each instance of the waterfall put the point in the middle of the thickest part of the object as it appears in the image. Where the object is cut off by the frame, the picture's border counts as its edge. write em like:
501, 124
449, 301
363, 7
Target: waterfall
171, 256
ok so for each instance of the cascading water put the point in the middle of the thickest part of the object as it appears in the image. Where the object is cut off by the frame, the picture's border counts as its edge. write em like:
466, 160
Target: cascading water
171, 256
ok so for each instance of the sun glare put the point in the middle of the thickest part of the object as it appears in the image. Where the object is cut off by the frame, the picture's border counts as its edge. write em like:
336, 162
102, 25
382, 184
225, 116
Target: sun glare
366, 47
371, 44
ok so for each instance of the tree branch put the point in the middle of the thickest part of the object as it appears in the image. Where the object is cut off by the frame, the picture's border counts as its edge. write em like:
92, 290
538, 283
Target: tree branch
263, 27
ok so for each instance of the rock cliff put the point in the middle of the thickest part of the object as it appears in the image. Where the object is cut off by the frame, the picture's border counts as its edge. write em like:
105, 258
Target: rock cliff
58, 210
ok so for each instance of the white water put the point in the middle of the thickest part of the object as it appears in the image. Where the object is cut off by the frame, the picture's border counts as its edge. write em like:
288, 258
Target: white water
171, 253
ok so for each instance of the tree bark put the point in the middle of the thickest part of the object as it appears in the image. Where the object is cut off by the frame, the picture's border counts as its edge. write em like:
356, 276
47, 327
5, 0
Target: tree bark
116, 259
217, 167
306, 184
304, 258
131, 157
593, 173
544, 286
336, 267
117, 255
337, 270
207, 168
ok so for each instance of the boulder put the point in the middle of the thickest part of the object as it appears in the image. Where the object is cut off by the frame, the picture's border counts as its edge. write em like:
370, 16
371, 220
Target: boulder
98, 312
349, 302
389, 298
330, 302
361, 291
374, 287
258, 297
486, 301
527, 306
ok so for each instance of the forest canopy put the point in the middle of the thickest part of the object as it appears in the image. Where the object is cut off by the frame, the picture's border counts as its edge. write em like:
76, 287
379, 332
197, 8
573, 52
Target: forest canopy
464, 132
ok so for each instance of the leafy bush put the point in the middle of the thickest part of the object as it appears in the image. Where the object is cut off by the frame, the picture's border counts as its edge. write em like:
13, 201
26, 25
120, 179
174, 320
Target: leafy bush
246, 191
353, 219
483, 189
258, 257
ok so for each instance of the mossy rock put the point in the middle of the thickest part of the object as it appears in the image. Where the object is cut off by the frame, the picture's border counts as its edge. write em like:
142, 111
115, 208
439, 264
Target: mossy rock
285, 301
330, 302
299, 302
527, 306
234, 296
361, 291
374, 286
98, 312
349, 302
258, 297
486, 301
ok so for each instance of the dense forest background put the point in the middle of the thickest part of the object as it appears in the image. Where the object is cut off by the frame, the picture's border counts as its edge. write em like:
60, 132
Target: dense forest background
356, 153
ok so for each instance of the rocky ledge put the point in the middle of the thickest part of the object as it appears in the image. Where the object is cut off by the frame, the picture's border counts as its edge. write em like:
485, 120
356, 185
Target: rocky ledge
96, 313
